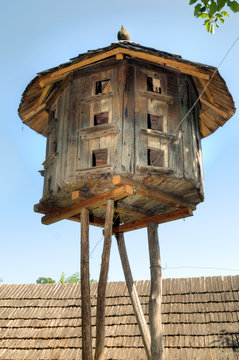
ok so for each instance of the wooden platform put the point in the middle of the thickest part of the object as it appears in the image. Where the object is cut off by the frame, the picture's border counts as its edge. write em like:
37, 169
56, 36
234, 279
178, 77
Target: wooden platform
136, 205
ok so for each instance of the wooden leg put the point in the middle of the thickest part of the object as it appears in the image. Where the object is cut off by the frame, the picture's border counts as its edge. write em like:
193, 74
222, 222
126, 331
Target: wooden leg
144, 330
155, 302
85, 288
100, 314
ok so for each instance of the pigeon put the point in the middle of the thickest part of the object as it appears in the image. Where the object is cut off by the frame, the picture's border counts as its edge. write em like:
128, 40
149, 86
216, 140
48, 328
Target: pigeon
123, 34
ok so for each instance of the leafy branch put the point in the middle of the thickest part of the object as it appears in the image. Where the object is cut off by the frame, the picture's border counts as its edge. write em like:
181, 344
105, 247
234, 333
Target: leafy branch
213, 11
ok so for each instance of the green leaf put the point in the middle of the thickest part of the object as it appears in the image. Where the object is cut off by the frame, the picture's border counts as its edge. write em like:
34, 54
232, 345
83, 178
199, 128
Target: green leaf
213, 8
224, 13
204, 15
221, 19
207, 24
211, 28
220, 4
217, 25
234, 6
191, 2
197, 9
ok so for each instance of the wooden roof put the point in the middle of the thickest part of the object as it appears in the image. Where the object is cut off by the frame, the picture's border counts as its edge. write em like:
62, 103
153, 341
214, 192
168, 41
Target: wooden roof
200, 320
217, 105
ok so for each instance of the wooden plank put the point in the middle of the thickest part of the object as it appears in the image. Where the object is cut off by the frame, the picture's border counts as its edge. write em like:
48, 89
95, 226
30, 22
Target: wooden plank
59, 74
100, 314
160, 97
85, 288
155, 299
46, 209
44, 94
116, 194
184, 68
154, 194
205, 131
119, 56
58, 91
28, 115
159, 219
216, 108
128, 121
143, 327
133, 211
205, 86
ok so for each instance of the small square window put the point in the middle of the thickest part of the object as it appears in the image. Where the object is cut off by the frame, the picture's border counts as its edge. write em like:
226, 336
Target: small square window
99, 157
153, 84
102, 86
155, 122
155, 157
101, 118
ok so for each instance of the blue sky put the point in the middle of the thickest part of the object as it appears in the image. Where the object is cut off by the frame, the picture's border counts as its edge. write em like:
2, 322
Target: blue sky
37, 35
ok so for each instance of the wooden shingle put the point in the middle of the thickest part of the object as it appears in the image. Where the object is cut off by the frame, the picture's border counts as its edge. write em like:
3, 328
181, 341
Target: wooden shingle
200, 320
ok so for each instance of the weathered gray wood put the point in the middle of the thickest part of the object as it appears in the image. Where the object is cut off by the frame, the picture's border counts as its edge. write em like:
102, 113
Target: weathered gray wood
155, 301
85, 288
100, 315
128, 121
134, 295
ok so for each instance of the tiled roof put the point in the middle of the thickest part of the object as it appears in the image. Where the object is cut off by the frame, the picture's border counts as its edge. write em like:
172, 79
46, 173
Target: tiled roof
200, 320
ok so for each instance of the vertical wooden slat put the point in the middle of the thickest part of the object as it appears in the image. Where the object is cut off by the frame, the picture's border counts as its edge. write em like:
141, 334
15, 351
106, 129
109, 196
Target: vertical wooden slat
155, 301
85, 288
143, 327
100, 314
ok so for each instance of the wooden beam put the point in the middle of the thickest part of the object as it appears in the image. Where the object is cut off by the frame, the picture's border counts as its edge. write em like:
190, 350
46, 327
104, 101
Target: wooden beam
44, 94
119, 56
59, 74
68, 212
215, 108
155, 299
100, 310
46, 209
58, 91
154, 194
184, 68
28, 115
132, 211
175, 64
85, 288
143, 327
159, 219
207, 90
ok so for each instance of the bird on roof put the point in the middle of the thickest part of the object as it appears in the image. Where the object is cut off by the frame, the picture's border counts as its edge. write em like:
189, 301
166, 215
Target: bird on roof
123, 34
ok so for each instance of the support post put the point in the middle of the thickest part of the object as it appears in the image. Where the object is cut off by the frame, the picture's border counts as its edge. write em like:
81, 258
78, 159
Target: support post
100, 314
85, 288
143, 327
155, 301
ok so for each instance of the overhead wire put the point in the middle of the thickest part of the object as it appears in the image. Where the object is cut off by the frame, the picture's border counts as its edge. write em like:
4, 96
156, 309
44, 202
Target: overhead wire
192, 107
175, 132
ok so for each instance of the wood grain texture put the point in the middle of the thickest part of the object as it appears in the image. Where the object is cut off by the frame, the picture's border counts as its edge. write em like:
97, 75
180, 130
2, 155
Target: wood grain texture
144, 330
75, 209
155, 300
100, 314
85, 288
158, 219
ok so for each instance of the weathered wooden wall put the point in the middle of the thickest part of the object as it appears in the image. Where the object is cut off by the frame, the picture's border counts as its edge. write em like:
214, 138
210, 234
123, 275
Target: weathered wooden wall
126, 136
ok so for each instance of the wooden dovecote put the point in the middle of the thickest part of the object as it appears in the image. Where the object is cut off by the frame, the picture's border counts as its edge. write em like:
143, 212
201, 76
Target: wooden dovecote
122, 115
124, 127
